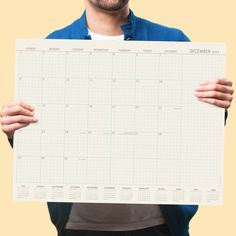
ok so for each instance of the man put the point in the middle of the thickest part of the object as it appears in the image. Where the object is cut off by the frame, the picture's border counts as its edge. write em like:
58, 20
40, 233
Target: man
113, 20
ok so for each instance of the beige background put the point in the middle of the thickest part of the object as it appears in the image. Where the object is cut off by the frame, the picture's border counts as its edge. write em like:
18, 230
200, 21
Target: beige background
201, 20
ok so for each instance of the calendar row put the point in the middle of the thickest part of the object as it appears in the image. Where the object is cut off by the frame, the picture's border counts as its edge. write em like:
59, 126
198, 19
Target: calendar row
121, 194
88, 91
113, 171
100, 65
107, 118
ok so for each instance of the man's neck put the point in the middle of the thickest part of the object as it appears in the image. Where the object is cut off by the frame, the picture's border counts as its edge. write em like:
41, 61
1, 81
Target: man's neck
105, 23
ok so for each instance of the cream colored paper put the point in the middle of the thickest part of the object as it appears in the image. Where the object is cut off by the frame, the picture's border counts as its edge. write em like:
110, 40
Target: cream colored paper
119, 122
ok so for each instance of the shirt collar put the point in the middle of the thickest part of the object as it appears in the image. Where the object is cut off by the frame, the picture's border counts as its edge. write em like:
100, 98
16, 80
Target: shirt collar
130, 30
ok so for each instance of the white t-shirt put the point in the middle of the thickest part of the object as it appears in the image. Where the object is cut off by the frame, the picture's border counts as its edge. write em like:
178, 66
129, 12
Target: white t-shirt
113, 217
95, 36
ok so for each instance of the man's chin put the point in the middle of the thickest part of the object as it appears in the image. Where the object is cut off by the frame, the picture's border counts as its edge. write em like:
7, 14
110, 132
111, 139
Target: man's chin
109, 7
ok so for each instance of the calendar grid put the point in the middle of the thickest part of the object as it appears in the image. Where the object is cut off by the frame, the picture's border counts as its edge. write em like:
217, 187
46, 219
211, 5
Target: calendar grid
64, 125
41, 91
111, 121
134, 130
119, 122
158, 99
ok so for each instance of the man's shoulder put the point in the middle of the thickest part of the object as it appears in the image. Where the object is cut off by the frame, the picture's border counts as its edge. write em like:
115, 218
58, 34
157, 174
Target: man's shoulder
159, 32
66, 32
63, 33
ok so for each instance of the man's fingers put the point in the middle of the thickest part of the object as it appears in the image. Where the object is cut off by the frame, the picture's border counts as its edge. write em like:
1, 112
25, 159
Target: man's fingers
17, 119
16, 110
215, 94
19, 103
13, 127
221, 81
215, 87
216, 102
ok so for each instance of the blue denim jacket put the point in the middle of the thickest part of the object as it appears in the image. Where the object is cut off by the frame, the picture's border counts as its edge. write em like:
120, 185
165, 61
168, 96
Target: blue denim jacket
177, 217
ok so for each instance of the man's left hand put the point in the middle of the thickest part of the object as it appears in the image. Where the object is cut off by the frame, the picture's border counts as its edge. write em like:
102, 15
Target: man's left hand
218, 92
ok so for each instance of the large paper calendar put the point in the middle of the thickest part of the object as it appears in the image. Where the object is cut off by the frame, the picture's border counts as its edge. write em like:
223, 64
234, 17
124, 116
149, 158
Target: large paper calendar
118, 122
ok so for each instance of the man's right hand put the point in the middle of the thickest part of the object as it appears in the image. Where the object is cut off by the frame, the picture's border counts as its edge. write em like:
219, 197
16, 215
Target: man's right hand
16, 115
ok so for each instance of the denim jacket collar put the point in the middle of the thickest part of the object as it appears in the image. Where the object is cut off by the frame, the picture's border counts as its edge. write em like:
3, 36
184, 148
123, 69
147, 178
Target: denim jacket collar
132, 30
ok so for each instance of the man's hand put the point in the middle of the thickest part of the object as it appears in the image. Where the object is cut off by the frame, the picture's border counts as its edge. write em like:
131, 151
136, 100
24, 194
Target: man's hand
218, 92
16, 115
